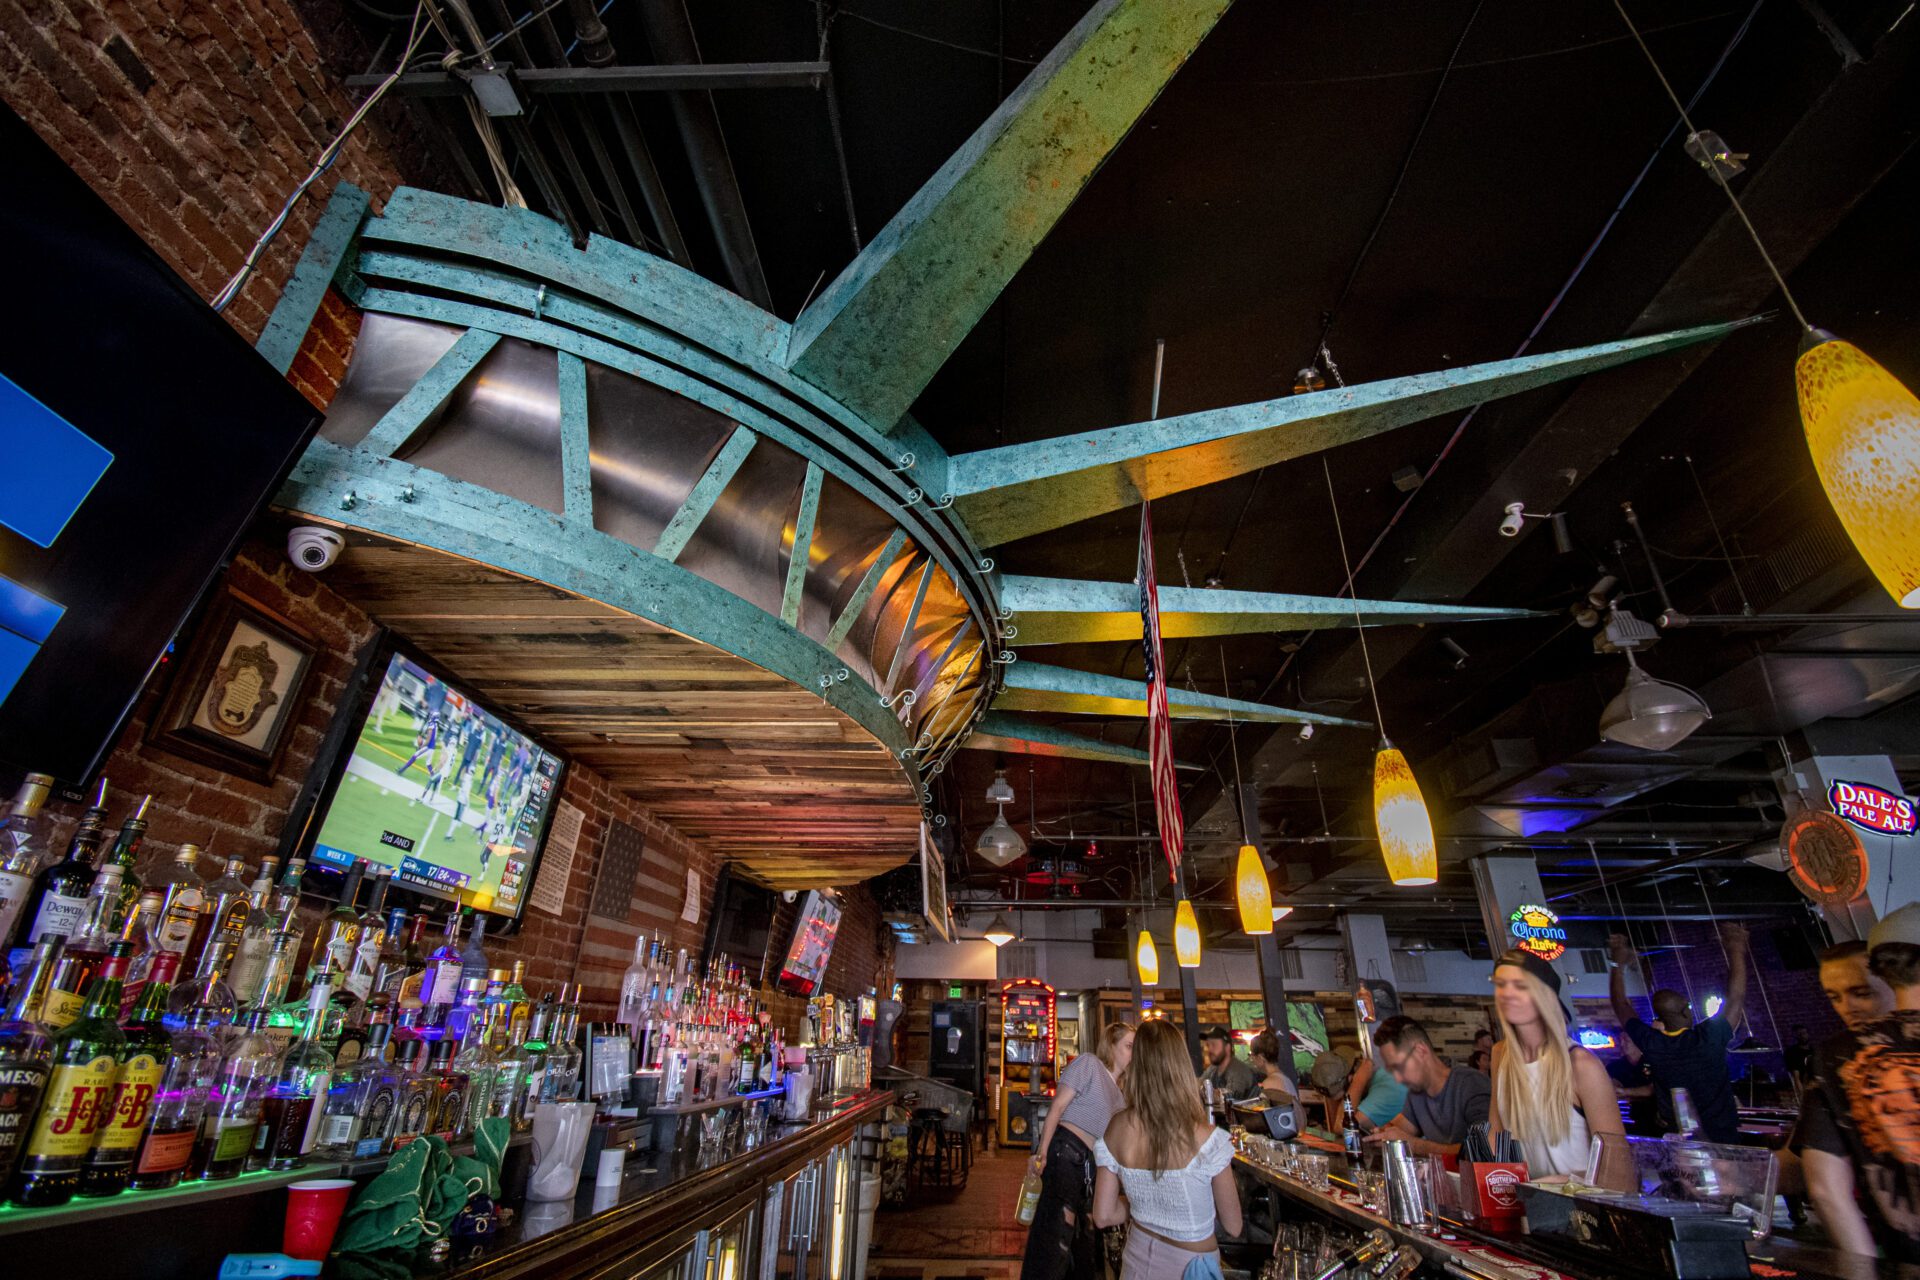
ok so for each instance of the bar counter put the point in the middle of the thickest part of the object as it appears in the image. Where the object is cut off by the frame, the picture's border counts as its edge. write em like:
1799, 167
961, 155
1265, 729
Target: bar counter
792, 1196
1512, 1254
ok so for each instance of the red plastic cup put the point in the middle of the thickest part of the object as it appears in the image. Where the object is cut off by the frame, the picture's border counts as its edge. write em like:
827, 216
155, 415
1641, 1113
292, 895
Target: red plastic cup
313, 1216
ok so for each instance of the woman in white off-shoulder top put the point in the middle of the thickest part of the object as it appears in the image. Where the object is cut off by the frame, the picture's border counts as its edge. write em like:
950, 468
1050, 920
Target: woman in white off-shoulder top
1164, 1170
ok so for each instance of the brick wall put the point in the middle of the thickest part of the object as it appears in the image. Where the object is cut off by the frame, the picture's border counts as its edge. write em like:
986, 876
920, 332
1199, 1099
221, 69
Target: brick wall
196, 120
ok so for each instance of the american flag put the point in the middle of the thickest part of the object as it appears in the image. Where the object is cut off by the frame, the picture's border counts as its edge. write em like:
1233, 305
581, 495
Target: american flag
1166, 793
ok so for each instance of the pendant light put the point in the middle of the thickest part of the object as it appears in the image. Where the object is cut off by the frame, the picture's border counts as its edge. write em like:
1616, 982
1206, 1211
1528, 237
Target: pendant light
1653, 715
1146, 958
1253, 893
1186, 935
1863, 429
1862, 424
1400, 815
998, 931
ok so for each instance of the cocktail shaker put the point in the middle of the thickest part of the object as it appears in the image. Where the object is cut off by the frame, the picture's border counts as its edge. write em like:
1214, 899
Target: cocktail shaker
1406, 1199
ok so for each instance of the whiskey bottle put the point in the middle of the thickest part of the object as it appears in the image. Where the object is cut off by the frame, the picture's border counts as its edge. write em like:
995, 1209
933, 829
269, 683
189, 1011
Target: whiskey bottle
60, 891
86, 952
290, 1123
84, 1060
230, 1127
26, 1051
187, 1086
256, 940
144, 1052
181, 897
226, 911
340, 927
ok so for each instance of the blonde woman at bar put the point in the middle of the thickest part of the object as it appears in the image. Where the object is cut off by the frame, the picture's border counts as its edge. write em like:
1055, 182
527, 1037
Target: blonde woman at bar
1164, 1169
1549, 1093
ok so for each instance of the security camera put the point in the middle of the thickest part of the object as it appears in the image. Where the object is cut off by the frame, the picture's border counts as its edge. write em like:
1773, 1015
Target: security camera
313, 548
789, 895
1515, 518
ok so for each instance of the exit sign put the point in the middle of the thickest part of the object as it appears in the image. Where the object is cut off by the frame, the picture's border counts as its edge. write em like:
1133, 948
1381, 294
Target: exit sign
955, 991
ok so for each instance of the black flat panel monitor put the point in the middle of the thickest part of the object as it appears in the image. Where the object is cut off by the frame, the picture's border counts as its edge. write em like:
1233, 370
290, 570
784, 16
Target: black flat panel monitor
436, 783
142, 436
740, 923
812, 946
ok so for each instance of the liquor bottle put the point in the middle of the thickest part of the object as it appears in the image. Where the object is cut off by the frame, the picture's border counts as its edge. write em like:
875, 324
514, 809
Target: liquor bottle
510, 1065
416, 982
466, 1010
85, 1058
178, 895
358, 1112
289, 1121
476, 1062
275, 978
416, 1093
495, 1009
143, 1056
86, 952
26, 1054
256, 939
188, 1086
568, 1043
363, 974
519, 1007
23, 846
1350, 1132
534, 1051
227, 909
207, 996
59, 898
126, 856
450, 1086
634, 983
473, 956
140, 964
286, 896
230, 1127
340, 927
442, 986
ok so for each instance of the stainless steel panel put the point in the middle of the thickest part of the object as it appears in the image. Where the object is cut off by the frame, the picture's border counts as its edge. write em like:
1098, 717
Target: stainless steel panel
649, 446
744, 542
848, 534
388, 358
500, 429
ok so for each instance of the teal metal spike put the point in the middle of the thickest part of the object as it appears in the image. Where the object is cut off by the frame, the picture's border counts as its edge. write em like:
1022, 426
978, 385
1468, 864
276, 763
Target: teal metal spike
1024, 489
997, 732
424, 398
1071, 611
576, 450
706, 491
1040, 686
327, 248
880, 331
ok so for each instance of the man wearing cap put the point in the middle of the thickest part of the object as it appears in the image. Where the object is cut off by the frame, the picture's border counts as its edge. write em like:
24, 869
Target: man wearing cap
1230, 1077
1862, 1122
1682, 1053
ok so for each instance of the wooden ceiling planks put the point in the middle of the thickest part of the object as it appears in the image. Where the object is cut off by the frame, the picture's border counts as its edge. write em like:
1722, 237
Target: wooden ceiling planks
765, 774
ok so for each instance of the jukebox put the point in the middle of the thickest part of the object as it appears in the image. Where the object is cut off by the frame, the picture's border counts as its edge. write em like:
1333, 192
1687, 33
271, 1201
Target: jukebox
1028, 1035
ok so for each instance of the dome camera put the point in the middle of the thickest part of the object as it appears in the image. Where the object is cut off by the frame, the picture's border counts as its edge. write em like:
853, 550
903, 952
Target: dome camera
312, 548
1515, 518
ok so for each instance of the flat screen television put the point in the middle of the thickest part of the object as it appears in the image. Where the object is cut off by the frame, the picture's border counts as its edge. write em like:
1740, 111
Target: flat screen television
142, 436
740, 924
433, 781
813, 933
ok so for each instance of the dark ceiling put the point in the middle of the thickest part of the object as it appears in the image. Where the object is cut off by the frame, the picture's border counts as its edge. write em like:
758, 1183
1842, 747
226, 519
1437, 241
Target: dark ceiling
1422, 183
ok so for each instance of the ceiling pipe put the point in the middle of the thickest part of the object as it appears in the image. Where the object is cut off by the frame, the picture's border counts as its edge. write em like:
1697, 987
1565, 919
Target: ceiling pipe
1620, 881
670, 32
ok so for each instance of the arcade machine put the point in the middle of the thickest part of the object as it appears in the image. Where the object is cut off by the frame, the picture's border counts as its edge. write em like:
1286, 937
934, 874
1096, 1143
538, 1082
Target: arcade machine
1028, 1037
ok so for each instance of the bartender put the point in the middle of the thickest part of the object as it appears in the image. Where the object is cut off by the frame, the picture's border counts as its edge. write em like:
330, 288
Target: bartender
1229, 1076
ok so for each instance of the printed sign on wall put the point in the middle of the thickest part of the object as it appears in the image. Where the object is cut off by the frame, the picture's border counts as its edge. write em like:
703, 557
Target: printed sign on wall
1872, 808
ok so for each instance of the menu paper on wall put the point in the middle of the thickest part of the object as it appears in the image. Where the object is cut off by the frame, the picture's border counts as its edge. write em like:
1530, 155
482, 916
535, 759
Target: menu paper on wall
563, 839
691, 911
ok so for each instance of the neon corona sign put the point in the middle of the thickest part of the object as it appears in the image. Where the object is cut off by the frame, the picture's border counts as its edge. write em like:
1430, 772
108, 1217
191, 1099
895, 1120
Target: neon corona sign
1538, 930
1872, 808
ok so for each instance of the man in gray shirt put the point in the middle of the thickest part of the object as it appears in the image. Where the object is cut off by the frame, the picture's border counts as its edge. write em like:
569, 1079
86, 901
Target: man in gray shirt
1443, 1100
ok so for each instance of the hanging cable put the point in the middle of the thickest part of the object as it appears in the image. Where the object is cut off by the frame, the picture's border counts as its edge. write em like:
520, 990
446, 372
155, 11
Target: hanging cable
328, 154
1366, 658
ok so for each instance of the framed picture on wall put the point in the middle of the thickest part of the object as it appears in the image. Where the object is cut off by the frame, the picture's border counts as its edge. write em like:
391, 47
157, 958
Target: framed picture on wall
238, 689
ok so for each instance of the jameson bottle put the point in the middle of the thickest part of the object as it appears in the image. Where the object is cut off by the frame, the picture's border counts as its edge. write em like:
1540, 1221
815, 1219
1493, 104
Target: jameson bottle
126, 856
85, 1059
26, 1055
60, 891
23, 842
143, 1057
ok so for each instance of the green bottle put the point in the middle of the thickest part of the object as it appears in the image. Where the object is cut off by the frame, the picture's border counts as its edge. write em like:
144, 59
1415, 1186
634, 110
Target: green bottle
85, 1061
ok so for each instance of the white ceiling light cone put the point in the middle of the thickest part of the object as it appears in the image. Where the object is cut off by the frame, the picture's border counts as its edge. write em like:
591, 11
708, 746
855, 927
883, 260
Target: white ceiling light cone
1653, 715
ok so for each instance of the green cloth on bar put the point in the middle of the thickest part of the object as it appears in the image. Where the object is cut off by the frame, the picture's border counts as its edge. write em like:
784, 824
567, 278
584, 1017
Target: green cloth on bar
414, 1200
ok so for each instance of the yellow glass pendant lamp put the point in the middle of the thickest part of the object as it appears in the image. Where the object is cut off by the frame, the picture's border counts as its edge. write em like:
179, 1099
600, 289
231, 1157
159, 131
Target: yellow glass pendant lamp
1863, 429
1146, 957
1186, 935
1254, 894
1400, 816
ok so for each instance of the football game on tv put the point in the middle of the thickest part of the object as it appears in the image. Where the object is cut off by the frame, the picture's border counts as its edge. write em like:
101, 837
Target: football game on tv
442, 791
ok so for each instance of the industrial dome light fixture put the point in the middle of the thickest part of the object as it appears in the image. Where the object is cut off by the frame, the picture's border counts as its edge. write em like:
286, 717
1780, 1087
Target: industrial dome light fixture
1000, 844
1653, 715
998, 931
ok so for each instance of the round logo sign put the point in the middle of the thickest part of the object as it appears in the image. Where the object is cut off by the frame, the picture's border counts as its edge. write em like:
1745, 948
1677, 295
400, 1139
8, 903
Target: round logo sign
1825, 859
1538, 930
